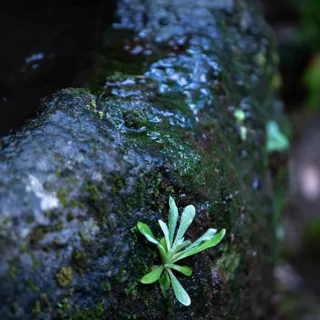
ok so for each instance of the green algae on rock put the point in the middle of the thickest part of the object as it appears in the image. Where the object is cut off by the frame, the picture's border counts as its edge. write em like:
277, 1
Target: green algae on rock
75, 181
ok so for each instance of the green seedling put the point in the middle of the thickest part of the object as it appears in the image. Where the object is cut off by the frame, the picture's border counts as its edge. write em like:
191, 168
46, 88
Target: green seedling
276, 140
173, 248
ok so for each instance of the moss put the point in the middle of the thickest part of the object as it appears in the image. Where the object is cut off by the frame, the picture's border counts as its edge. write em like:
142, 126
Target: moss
13, 271
58, 156
72, 180
118, 183
131, 289
36, 308
228, 263
58, 226
122, 276
63, 306
62, 195
135, 118
75, 91
93, 108
92, 191
83, 237
107, 286
44, 296
36, 263
56, 242
64, 276
31, 286
79, 260
95, 313
76, 204
70, 217
38, 233
29, 219
260, 59
23, 248
5, 220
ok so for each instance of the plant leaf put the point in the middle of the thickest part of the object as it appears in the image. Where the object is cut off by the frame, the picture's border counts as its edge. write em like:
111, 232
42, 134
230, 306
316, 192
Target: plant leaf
152, 276
173, 218
178, 290
206, 236
163, 254
186, 219
183, 269
145, 230
164, 282
165, 231
162, 287
167, 279
205, 245
181, 244
276, 140
163, 243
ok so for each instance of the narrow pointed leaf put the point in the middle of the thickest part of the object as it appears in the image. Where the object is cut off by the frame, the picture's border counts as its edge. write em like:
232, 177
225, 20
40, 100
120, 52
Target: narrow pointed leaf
179, 291
163, 253
183, 269
186, 219
205, 245
173, 218
152, 276
165, 231
162, 287
145, 230
164, 282
167, 279
181, 244
206, 236
163, 243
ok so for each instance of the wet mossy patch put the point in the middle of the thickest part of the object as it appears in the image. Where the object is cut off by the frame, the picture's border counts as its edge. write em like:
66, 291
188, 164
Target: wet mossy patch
64, 276
79, 260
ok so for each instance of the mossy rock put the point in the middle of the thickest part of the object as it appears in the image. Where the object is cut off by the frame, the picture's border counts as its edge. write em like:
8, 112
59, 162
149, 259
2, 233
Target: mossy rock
75, 181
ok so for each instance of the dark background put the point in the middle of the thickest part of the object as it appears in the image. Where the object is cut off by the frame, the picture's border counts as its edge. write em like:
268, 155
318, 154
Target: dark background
296, 26
61, 36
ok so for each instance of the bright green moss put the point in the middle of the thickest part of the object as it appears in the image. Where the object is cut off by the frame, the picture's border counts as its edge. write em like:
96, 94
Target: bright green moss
64, 276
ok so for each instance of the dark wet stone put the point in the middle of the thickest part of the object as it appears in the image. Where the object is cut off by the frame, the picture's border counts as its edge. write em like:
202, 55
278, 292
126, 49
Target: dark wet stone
75, 181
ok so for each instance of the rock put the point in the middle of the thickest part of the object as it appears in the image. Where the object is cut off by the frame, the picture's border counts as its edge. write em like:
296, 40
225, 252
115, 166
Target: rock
75, 181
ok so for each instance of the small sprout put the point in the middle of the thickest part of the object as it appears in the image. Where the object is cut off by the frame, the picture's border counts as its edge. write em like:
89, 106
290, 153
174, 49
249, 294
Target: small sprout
276, 140
243, 133
172, 249
239, 115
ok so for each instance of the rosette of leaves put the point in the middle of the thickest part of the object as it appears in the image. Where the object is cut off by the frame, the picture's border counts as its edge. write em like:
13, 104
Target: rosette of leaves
173, 248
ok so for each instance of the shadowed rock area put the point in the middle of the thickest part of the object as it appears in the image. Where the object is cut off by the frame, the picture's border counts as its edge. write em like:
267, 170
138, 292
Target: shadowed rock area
75, 181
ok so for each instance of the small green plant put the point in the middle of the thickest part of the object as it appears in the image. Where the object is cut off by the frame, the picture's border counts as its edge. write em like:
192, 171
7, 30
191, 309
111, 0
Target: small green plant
172, 249
276, 140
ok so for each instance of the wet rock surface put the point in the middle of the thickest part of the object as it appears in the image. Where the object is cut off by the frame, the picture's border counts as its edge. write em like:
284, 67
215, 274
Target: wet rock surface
75, 181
